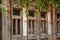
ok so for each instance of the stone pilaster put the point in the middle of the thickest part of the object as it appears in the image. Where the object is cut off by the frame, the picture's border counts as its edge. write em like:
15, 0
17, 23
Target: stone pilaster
24, 24
6, 22
38, 26
54, 25
50, 24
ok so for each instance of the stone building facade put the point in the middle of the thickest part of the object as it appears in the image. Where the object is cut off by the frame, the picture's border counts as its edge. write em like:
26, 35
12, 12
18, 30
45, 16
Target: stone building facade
15, 25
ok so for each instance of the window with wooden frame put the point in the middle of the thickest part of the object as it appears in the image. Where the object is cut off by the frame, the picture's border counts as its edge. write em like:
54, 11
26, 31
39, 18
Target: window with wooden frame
58, 15
43, 14
31, 22
31, 13
58, 27
16, 12
31, 26
43, 26
43, 22
58, 19
16, 21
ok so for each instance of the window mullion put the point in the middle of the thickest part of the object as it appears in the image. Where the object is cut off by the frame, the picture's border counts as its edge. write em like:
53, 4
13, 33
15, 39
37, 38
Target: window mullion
16, 27
20, 26
12, 27
34, 27
31, 26
28, 28
43, 26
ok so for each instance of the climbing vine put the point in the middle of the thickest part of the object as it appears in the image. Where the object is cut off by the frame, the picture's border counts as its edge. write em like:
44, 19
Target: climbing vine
3, 8
40, 4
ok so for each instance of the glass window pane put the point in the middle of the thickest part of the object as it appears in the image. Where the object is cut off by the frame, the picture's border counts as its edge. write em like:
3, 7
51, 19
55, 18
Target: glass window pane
43, 26
18, 26
14, 26
31, 13
58, 16
43, 14
31, 26
16, 12
58, 27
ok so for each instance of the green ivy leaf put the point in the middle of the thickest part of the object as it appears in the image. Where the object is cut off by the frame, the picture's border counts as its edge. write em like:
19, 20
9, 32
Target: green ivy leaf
3, 8
41, 5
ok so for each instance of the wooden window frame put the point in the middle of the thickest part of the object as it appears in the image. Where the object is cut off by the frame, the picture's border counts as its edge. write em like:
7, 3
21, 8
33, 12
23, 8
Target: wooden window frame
44, 23
16, 17
31, 18
57, 11
58, 25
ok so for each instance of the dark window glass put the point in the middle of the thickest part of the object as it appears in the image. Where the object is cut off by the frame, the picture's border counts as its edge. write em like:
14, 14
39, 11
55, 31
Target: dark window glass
14, 26
16, 12
31, 13
43, 14
18, 26
58, 27
31, 26
58, 16
43, 26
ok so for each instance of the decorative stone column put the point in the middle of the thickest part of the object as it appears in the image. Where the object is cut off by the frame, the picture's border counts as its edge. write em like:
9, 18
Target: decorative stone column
24, 24
54, 25
50, 24
6, 21
38, 25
